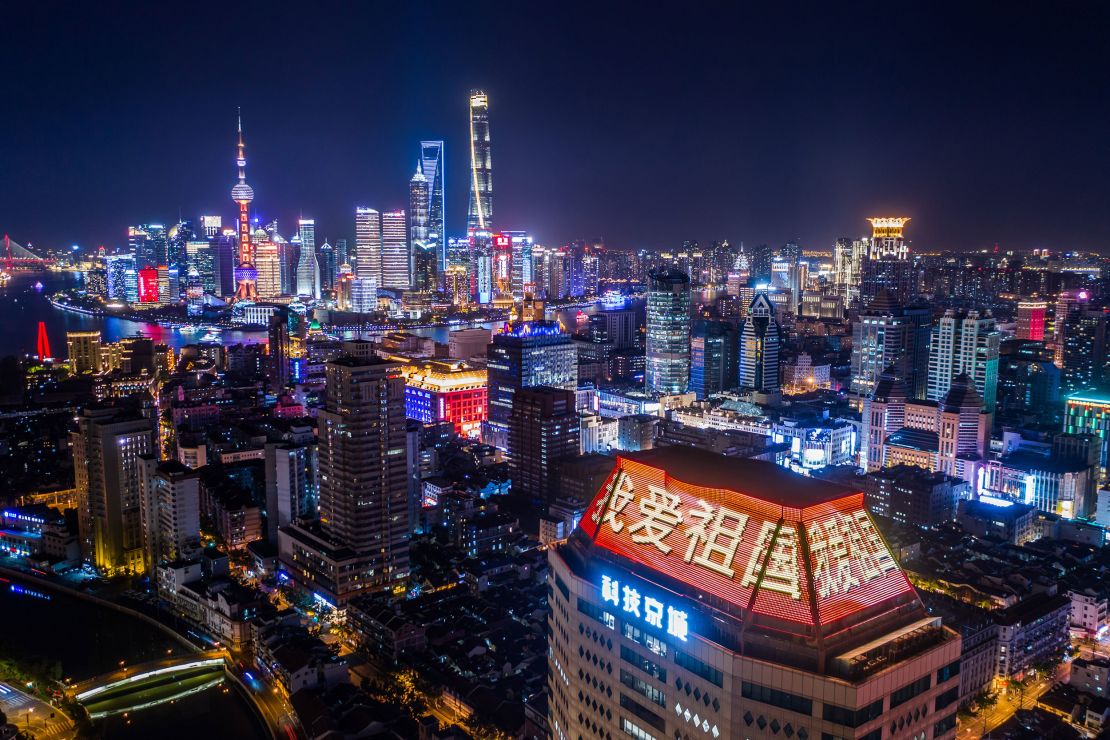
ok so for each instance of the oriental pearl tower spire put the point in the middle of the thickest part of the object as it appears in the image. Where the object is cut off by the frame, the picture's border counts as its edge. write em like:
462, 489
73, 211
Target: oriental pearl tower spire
245, 274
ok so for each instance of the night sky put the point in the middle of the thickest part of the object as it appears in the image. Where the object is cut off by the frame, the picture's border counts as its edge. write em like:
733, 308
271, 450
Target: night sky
984, 122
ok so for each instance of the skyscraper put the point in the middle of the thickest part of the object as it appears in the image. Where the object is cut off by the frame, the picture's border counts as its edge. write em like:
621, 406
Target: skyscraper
480, 210
396, 258
106, 450
308, 271
759, 347
169, 501
735, 579
243, 194
887, 334
1030, 320
713, 357
522, 355
199, 256
83, 351
1084, 350
964, 342
431, 166
887, 263
362, 541
223, 263
543, 429
425, 252
329, 268
668, 332
368, 244
267, 264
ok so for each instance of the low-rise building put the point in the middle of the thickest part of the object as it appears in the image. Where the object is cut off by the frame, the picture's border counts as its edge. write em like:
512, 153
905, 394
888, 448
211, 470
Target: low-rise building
1031, 632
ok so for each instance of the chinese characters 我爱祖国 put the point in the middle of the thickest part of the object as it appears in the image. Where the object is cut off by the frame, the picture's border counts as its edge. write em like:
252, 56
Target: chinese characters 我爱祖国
629, 600
846, 549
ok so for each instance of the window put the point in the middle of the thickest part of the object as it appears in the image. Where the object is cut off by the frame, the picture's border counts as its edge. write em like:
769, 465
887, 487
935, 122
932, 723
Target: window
776, 698
695, 666
648, 640
643, 713
597, 613
633, 658
950, 670
562, 588
850, 718
909, 691
947, 698
643, 688
944, 725
634, 730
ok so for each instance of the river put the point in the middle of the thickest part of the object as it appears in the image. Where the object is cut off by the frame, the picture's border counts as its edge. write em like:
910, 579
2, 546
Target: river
23, 306
88, 640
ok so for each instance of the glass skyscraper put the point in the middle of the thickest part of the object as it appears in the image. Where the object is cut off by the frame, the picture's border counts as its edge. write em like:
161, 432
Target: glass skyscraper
431, 166
668, 332
425, 252
713, 348
480, 210
759, 347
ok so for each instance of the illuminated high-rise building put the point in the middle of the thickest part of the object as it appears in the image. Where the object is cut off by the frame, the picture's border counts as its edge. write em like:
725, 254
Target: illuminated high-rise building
887, 263
267, 263
668, 332
396, 258
342, 256
1030, 320
480, 210
704, 596
106, 450
425, 252
964, 342
198, 255
713, 357
329, 268
523, 275
886, 334
362, 541
308, 271
83, 351
368, 244
431, 167
211, 225
224, 248
759, 347
243, 194
1084, 349
117, 267
147, 242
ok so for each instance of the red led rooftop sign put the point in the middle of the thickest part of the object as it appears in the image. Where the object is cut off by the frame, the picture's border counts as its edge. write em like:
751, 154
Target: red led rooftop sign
805, 558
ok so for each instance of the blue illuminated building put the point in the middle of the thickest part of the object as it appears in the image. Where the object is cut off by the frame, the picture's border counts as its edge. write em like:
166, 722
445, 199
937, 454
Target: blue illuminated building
522, 355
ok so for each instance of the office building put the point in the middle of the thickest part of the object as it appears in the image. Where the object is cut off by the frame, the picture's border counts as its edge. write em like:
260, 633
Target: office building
713, 357
83, 351
668, 332
454, 392
886, 263
361, 542
543, 430
759, 347
914, 496
267, 263
106, 450
425, 255
1089, 413
396, 258
964, 342
700, 616
431, 167
1030, 320
887, 334
292, 484
522, 355
169, 501
308, 271
1084, 349
329, 267
368, 245
480, 210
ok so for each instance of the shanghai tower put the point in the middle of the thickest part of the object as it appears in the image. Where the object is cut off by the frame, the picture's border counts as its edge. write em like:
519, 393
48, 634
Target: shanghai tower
480, 211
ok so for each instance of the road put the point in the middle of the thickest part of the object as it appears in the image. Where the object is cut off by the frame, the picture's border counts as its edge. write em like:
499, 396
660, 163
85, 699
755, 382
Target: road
1008, 703
275, 708
34, 716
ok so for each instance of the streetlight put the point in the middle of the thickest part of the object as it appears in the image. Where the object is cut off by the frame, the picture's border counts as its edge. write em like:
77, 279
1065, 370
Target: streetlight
29, 717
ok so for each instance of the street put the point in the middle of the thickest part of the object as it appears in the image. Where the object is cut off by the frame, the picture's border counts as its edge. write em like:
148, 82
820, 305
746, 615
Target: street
34, 716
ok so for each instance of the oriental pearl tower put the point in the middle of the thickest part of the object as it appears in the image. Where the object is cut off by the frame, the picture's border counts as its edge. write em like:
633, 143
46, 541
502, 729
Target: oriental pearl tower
245, 274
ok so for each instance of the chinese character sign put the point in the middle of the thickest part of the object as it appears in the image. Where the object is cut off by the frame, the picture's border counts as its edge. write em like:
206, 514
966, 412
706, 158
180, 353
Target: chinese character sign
655, 613
827, 559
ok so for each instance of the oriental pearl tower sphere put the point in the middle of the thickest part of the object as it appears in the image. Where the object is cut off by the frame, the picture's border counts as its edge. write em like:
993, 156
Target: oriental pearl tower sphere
245, 274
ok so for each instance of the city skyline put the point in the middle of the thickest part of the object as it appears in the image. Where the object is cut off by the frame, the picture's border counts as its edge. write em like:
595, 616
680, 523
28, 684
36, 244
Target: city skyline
803, 148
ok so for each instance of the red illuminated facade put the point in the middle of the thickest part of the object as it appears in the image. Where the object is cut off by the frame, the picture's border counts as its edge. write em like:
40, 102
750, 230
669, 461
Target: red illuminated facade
148, 285
438, 392
804, 557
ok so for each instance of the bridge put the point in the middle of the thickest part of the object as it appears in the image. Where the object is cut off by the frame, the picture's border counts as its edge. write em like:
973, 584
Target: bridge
14, 256
149, 684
